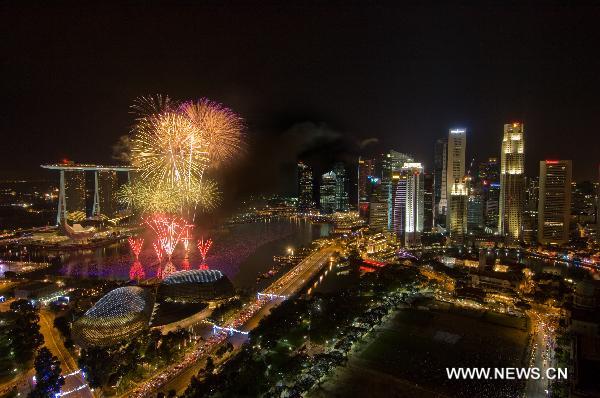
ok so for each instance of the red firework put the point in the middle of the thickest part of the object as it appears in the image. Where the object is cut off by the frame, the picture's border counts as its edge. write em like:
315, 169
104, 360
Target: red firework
168, 270
169, 230
185, 264
158, 250
136, 245
136, 272
204, 247
186, 238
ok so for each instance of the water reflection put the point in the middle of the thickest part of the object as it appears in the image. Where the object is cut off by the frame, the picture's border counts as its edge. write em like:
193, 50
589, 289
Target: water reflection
241, 252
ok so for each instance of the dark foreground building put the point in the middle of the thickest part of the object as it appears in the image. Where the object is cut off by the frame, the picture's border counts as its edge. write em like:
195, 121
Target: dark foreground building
195, 286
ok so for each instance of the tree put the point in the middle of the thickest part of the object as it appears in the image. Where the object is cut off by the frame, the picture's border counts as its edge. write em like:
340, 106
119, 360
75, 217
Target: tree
62, 324
26, 332
47, 375
210, 366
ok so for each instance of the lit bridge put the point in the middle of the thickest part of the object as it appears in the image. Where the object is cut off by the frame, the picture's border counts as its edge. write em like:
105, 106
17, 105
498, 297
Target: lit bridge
229, 330
270, 296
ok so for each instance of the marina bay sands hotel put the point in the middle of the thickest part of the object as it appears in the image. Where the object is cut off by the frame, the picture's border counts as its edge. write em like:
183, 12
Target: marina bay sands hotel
72, 190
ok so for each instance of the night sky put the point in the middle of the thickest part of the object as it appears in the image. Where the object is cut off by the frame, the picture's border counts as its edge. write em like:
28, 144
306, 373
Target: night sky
323, 83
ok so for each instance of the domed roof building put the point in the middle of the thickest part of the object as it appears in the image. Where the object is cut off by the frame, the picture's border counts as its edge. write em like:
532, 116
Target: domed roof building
194, 286
120, 314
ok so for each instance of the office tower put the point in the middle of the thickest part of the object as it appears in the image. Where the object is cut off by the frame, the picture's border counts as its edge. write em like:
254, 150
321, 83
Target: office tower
475, 209
492, 206
74, 185
458, 213
341, 188
455, 165
428, 203
305, 188
398, 210
554, 208
408, 203
366, 171
327, 192
415, 198
391, 162
583, 202
530, 213
489, 171
440, 154
489, 180
378, 213
105, 193
512, 183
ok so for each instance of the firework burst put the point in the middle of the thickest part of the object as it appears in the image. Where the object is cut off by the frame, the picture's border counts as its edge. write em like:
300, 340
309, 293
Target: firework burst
172, 145
136, 272
220, 128
169, 231
158, 250
136, 245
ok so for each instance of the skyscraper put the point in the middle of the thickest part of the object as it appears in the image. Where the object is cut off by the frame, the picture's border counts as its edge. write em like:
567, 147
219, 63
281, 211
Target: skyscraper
458, 213
398, 210
475, 209
583, 202
512, 182
415, 195
428, 206
440, 154
408, 203
378, 216
327, 192
530, 212
489, 180
366, 170
305, 188
554, 208
455, 165
341, 188
391, 163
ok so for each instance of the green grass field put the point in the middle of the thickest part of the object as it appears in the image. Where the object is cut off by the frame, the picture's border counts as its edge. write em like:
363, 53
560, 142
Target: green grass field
417, 346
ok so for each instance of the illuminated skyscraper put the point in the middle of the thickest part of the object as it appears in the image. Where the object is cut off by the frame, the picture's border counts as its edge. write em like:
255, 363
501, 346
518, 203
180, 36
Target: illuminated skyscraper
327, 192
458, 213
475, 209
415, 197
530, 213
398, 210
305, 188
440, 154
408, 211
378, 216
512, 182
428, 207
554, 208
391, 163
489, 180
341, 188
455, 165
366, 171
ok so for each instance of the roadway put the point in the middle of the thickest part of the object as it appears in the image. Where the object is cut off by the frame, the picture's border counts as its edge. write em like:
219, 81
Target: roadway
542, 353
178, 376
53, 341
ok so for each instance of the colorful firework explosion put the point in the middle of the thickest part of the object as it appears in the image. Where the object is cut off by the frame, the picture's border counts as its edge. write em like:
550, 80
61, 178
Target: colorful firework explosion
136, 245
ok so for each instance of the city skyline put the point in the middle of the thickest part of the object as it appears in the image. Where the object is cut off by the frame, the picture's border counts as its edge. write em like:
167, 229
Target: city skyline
299, 199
